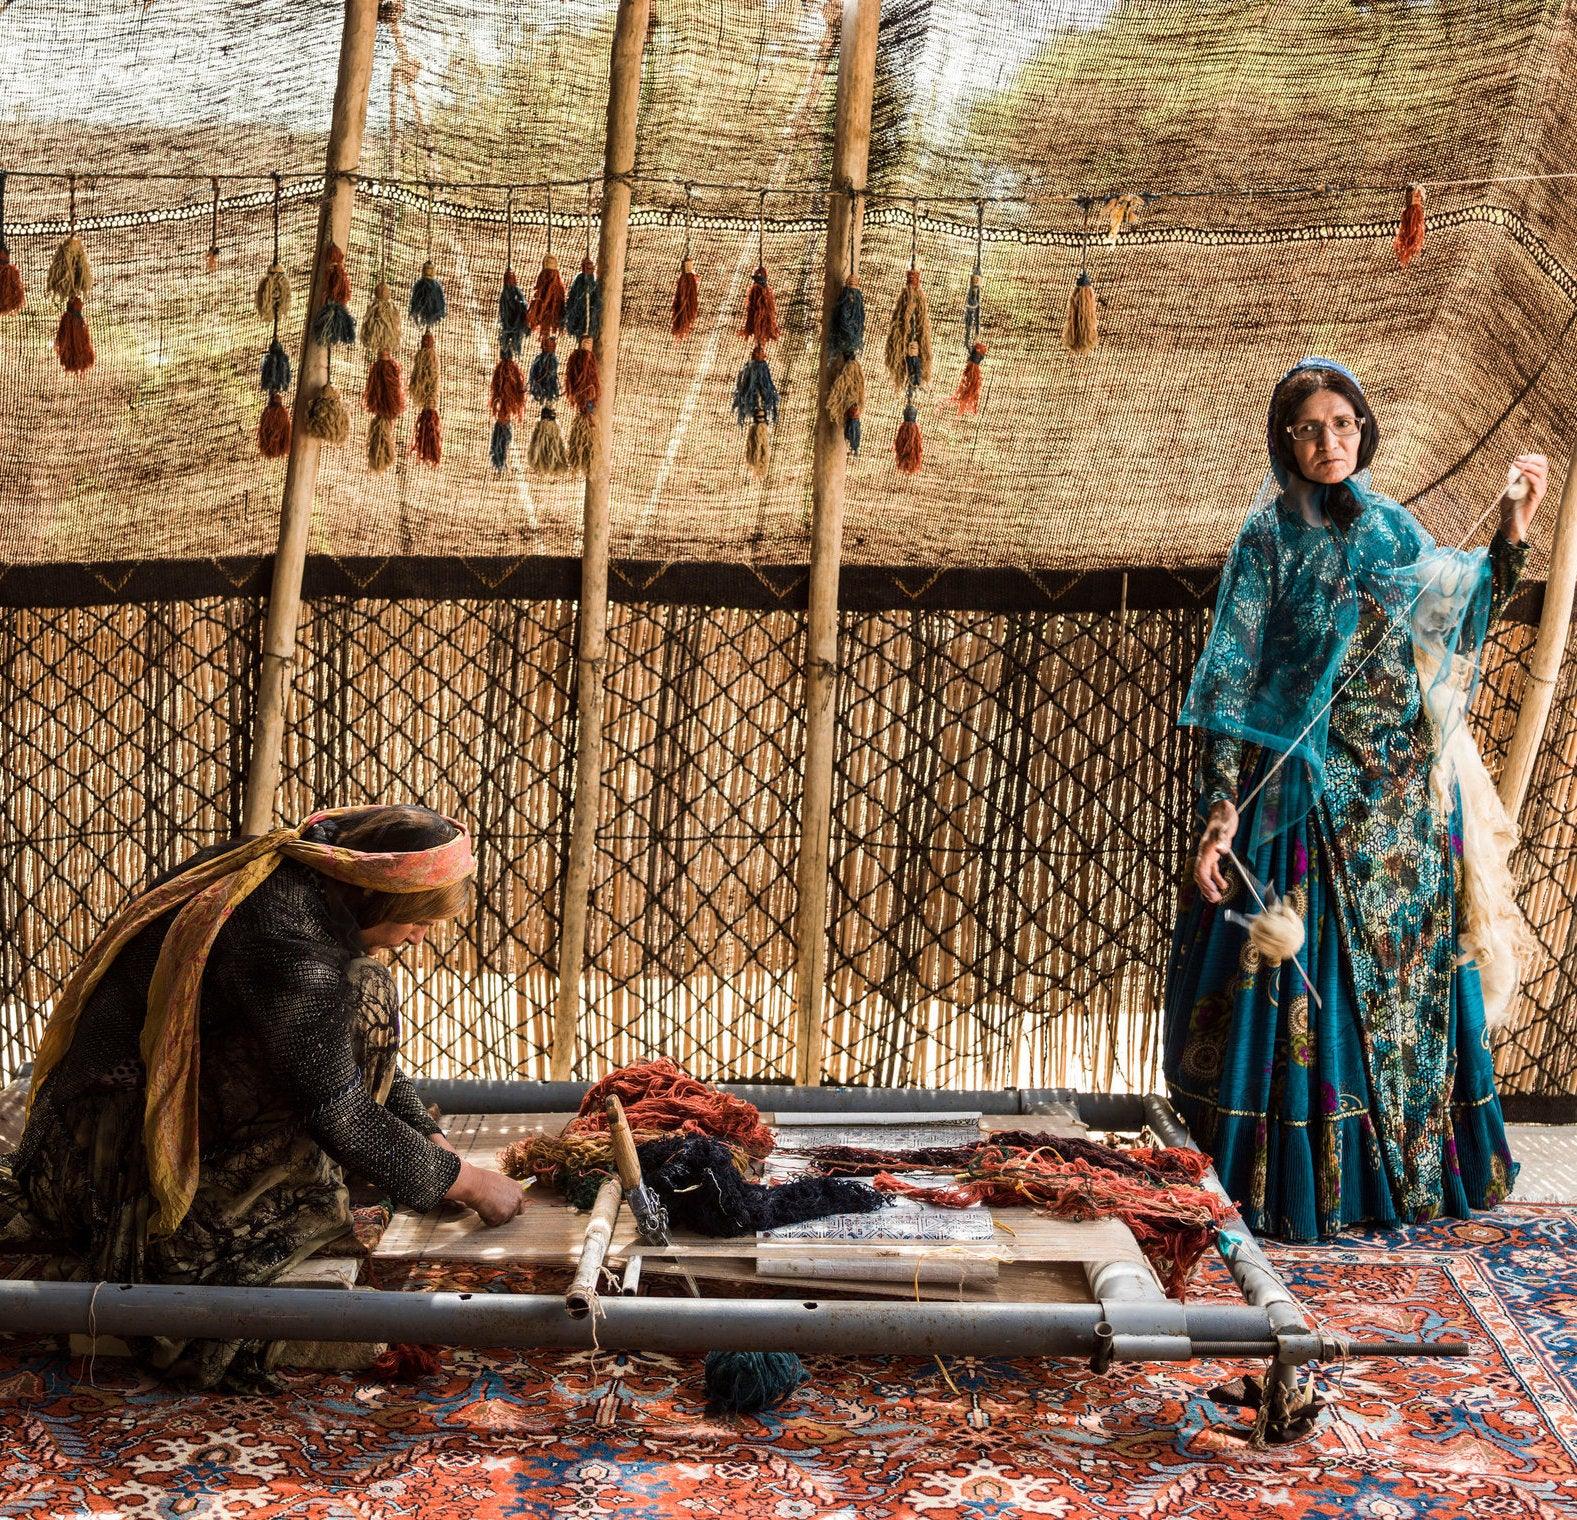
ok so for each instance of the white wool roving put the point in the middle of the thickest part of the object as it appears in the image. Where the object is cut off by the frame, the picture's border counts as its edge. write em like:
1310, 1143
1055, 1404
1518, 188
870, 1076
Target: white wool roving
1276, 932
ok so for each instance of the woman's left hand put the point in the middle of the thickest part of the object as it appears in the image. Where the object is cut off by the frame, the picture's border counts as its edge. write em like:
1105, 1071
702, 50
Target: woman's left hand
1516, 515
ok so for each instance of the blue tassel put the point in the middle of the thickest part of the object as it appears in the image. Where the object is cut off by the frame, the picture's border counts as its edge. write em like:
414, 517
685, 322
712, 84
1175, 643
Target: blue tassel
848, 321
755, 392
851, 430
544, 377
427, 299
511, 316
502, 433
745, 1382
912, 365
583, 306
333, 324
276, 368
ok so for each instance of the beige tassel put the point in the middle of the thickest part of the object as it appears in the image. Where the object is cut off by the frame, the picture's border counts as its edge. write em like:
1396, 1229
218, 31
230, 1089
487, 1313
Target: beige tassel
380, 444
846, 392
547, 455
424, 373
327, 419
1081, 330
582, 440
910, 327
70, 274
758, 448
380, 328
273, 294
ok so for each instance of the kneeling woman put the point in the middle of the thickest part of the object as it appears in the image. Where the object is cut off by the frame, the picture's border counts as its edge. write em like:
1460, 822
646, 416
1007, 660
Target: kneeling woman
226, 1053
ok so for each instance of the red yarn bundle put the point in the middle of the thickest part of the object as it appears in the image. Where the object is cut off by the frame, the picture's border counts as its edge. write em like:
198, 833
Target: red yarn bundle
657, 1095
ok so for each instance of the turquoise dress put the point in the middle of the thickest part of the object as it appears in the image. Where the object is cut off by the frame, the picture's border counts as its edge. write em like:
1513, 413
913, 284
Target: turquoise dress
1378, 1104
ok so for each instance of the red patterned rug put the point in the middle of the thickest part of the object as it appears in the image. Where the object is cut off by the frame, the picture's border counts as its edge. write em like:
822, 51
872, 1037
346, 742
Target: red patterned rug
543, 1434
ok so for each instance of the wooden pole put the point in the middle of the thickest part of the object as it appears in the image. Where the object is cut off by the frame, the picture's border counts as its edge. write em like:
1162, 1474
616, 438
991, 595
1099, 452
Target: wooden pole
1548, 651
624, 92
301, 468
850, 157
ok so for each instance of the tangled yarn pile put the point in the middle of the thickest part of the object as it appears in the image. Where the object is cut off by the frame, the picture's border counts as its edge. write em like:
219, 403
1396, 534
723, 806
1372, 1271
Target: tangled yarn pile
1161, 1167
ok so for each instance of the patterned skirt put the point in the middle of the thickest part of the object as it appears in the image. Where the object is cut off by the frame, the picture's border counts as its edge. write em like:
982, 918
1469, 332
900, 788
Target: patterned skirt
1376, 1103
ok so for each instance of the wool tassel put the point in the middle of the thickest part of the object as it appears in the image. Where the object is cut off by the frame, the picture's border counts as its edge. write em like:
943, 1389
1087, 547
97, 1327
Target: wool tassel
507, 391
687, 300
511, 315
333, 322
847, 391
545, 311
380, 328
385, 395
11, 292
273, 294
273, 429
1081, 329
427, 306
498, 449
755, 394
848, 320
758, 446
582, 440
851, 429
424, 373
547, 455
583, 306
327, 419
276, 368
908, 352
429, 442
582, 383
907, 445
380, 444
507, 395
967, 397
761, 311
73, 342
543, 380
1410, 233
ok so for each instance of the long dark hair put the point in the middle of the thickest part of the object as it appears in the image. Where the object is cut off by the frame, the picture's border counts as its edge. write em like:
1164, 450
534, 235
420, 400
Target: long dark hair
1341, 505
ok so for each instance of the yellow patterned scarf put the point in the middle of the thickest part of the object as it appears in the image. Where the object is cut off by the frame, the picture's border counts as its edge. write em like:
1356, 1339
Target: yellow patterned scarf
211, 892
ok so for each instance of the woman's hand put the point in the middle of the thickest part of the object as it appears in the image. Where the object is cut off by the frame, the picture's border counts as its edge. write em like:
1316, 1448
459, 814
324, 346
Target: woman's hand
1516, 515
441, 1140
494, 1196
1220, 831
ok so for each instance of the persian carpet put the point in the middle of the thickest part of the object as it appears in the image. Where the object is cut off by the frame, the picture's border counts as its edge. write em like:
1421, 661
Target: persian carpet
548, 1434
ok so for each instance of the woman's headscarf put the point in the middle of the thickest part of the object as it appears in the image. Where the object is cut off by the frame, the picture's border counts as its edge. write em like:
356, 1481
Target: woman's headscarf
211, 891
1287, 611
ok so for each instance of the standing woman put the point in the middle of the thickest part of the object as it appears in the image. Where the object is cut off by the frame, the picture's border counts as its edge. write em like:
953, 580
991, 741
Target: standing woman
225, 1054
1352, 1082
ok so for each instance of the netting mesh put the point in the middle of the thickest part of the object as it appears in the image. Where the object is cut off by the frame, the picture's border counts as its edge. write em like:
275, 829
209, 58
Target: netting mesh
1011, 808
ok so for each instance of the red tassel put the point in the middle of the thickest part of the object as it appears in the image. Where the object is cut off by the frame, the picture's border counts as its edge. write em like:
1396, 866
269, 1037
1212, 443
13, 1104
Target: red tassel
385, 394
761, 311
967, 397
11, 294
429, 445
545, 312
273, 429
687, 301
507, 396
336, 283
907, 445
1410, 235
405, 1363
582, 383
72, 341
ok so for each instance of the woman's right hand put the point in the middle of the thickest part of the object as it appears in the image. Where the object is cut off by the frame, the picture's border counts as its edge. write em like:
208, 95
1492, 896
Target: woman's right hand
1220, 831
494, 1196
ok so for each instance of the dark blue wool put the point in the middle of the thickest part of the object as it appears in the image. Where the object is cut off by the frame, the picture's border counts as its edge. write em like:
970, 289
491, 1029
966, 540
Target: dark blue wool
745, 1382
333, 324
912, 361
500, 449
910, 414
427, 302
754, 391
971, 317
851, 432
848, 321
583, 307
544, 377
511, 318
276, 368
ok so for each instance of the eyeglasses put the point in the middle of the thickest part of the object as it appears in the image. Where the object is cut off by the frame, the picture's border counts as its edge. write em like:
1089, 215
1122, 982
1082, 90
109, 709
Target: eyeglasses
1342, 427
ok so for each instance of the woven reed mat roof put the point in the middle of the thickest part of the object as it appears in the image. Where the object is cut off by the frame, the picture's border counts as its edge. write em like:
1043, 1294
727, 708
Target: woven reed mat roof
1271, 143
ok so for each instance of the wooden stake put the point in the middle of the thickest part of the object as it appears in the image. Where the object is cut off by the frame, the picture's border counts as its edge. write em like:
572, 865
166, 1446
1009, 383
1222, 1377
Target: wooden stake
629, 40
301, 468
850, 158
1548, 651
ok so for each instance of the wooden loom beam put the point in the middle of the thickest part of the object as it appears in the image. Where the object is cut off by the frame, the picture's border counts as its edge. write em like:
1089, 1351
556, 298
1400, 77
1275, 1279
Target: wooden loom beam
346, 127
850, 159
629, 41
1548, 651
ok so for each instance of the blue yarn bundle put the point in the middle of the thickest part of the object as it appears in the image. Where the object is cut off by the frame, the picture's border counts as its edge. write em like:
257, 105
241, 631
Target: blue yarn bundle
745, 1382
499, 450
583, 306
755, 393
276, 368
848, 321
333, 324
511, 315
428, 307
543, 379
